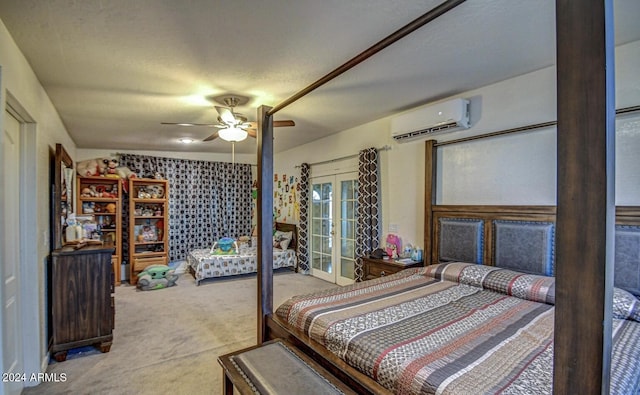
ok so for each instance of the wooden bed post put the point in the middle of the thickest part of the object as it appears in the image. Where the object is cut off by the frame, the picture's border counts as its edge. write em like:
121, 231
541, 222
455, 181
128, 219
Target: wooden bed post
586, 204
265, 219
430, 180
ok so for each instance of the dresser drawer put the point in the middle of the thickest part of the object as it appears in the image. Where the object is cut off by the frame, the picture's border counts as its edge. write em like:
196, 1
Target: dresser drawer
139, 264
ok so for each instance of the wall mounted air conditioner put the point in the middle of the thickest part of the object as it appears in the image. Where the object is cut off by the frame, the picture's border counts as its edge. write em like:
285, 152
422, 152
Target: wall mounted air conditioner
430, 120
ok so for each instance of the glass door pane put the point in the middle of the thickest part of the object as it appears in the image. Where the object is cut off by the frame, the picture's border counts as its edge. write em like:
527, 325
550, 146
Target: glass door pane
347, 230
322, 263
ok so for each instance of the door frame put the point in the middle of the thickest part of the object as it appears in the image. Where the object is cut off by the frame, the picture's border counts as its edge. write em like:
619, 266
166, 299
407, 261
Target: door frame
336, 261
32, 272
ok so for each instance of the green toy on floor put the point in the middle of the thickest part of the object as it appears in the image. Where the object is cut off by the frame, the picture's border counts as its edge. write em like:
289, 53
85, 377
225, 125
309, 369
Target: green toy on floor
156, 277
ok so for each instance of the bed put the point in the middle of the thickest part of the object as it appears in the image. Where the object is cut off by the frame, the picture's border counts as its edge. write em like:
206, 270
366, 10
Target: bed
584, 152
465, 327
487, 302
204, 263
445, 328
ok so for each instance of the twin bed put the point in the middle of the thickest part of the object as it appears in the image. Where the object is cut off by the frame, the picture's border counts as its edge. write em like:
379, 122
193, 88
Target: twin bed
480, 320
204, 263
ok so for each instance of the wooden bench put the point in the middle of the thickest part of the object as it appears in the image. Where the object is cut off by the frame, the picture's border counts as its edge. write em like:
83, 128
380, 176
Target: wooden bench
276, 367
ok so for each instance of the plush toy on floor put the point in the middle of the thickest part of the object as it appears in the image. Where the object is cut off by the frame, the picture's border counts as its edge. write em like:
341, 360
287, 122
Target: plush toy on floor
156, 277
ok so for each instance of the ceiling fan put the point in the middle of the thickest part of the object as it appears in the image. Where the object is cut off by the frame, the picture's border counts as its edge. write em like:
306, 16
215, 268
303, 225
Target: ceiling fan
233, 126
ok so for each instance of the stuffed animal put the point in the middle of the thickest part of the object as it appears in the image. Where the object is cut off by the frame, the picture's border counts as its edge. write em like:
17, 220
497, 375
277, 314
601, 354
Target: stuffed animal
125, 172
110, 169
87, 168
156, 277
394, 245
91, 167
88, 207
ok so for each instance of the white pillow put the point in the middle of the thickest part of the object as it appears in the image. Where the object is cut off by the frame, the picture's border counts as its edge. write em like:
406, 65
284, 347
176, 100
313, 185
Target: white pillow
282, 239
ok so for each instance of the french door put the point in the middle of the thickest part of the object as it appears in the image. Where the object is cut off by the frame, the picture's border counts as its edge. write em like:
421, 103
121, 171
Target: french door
333, 227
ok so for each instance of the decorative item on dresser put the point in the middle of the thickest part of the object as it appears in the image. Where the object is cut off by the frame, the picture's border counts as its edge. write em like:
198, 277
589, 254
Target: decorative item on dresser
374, 268
101, 197
148, 224
81, 304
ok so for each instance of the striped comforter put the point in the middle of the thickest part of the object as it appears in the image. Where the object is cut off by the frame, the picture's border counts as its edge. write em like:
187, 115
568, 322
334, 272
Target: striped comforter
455, 329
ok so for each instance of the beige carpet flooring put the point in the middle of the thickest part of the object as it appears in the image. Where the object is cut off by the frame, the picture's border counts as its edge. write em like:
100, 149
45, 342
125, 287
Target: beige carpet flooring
168, 341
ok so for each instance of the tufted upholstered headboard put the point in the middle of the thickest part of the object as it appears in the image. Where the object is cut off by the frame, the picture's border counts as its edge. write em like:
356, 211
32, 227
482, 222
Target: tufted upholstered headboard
521, 238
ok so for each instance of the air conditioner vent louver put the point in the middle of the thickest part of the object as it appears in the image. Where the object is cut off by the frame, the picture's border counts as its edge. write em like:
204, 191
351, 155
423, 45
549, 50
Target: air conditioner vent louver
430, 120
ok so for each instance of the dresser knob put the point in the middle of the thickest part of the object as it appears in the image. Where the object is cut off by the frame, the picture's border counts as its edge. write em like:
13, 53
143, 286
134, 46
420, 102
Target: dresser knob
382, 273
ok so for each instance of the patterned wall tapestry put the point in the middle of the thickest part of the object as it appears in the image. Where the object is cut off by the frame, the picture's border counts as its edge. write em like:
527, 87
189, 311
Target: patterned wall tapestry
368, 214
207, 200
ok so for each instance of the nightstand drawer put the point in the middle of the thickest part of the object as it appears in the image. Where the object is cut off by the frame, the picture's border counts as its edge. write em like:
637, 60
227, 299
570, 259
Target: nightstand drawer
374, 268
381, 270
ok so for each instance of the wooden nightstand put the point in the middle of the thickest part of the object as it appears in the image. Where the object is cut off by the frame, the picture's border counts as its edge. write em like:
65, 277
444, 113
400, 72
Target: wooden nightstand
374, 268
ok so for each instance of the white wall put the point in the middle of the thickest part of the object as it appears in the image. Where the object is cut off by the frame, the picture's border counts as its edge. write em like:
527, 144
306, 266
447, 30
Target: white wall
19, 84
512, 169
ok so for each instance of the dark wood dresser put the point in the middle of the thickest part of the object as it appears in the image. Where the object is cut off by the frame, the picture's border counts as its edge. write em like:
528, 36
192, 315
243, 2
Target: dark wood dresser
81, 303
374, 268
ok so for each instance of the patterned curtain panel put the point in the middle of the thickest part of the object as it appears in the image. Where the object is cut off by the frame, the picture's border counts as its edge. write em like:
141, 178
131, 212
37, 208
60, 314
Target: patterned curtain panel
207, 200
303, 226
368, 214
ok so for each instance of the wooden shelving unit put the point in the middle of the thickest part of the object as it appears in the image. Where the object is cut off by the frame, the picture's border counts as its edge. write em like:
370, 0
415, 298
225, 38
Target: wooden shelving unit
102, 198
148, 224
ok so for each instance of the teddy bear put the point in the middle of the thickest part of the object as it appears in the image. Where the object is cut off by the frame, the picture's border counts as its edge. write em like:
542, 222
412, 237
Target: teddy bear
156, 277
91, 167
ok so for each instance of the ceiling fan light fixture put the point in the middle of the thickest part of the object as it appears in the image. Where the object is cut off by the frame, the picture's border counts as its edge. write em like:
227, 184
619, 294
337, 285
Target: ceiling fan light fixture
232, 134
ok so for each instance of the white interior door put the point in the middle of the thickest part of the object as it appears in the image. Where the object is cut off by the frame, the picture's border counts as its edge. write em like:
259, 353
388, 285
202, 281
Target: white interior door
12, 356
332, 243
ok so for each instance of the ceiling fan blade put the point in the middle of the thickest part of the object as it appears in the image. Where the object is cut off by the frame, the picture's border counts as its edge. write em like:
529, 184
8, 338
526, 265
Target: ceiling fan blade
215, 125
252, 133
226, 115
212, 137
287, 122
276, 124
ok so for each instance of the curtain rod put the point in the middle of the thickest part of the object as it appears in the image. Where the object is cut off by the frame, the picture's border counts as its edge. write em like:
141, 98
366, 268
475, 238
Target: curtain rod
372, 50
385, 148
625, 110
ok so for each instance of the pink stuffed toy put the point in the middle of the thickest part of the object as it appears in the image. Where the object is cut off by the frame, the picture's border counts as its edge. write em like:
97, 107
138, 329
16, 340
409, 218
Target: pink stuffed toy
393, 245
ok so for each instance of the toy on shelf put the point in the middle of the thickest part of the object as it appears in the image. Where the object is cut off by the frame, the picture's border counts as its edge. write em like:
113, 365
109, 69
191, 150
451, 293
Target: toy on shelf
110, 169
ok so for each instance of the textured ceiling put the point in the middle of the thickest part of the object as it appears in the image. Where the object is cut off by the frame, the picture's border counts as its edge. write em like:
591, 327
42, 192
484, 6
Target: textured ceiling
115, 69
